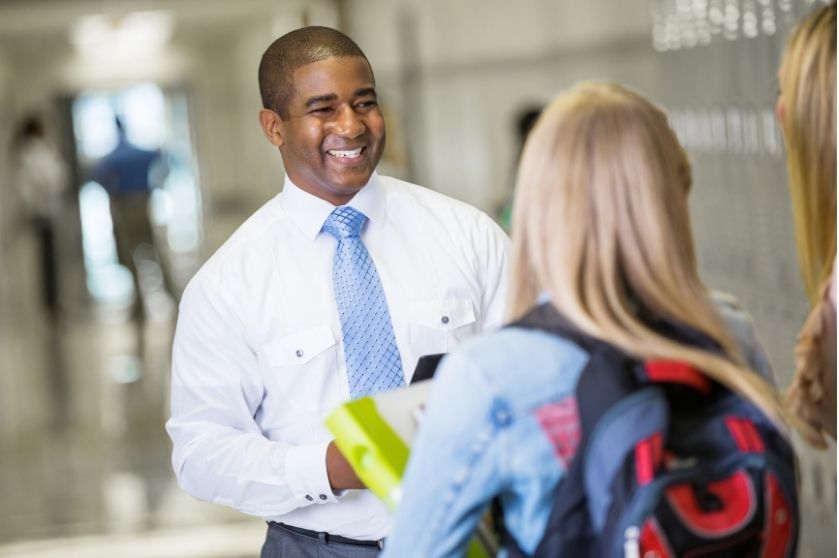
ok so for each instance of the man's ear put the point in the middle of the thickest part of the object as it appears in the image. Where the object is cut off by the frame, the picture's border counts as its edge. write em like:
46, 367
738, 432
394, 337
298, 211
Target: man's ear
271, 126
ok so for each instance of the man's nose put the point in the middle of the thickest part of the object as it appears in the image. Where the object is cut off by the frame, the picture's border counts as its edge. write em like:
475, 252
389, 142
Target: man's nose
348, 123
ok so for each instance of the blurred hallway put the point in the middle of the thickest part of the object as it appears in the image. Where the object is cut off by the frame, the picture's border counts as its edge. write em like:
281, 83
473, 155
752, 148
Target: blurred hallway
85, 469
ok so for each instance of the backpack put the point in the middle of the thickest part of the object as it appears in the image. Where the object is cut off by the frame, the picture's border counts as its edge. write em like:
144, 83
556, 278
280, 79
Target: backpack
669, 464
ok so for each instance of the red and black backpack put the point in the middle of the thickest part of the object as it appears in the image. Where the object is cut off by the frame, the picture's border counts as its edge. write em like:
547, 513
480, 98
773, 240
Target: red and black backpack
670, 463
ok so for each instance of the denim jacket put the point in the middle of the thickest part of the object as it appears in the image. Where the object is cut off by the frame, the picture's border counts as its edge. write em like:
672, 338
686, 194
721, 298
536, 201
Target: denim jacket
501, 420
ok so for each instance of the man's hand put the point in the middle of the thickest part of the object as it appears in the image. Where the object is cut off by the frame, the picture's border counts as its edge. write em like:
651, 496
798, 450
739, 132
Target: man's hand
341, 475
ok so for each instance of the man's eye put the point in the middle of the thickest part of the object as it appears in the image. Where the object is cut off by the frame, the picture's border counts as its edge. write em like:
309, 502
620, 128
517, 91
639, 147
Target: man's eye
367, 104
321, 110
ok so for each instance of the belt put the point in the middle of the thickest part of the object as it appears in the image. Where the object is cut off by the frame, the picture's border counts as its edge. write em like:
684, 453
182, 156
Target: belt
326, 538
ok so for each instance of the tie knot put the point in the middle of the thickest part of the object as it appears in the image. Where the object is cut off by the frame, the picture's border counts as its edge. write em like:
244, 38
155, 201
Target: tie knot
344, 222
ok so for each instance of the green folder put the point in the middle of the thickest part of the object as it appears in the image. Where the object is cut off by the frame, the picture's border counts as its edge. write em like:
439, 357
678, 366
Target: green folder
375, 433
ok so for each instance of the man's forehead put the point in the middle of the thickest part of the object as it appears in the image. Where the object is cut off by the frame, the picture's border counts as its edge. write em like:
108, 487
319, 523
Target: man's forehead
352, 72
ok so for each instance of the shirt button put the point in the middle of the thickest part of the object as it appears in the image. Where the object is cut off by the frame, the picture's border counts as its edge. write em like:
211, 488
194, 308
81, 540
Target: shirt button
309, 497
445, 319
322, 496
299, 353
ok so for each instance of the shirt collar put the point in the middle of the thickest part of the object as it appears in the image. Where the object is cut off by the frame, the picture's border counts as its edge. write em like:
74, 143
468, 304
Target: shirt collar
309, 212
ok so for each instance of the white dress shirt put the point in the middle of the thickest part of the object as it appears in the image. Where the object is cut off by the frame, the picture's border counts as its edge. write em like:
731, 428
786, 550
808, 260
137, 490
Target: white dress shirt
258, 361
43, 178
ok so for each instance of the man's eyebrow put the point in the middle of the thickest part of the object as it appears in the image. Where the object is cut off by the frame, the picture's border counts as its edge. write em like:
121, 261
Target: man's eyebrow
363, 92
320, 99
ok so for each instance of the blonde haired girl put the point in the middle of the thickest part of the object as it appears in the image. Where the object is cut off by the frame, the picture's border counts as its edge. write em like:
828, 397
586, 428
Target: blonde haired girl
807, 113
606, 174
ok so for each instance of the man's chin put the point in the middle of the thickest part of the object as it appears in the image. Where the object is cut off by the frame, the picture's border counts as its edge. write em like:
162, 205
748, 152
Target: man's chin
352, 183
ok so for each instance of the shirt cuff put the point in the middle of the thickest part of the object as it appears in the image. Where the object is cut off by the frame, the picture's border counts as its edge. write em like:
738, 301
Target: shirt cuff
305, 468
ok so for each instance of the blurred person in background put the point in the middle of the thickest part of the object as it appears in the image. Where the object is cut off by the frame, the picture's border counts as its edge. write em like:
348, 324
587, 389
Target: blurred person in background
602, 242
525, 120
331, 291
129, 173
806, 110
43, 179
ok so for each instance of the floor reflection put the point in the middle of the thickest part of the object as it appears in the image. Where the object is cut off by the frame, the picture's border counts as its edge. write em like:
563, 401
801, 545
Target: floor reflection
84, 457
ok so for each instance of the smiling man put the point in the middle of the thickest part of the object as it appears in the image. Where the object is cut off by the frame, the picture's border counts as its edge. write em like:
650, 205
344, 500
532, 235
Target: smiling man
331, 291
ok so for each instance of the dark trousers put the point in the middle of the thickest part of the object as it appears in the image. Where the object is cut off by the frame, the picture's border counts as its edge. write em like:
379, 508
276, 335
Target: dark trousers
283, 543
132, 228
49, 274
134, 236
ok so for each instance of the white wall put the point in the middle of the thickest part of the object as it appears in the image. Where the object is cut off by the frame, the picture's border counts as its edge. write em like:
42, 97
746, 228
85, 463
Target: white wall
6, 123
8, 407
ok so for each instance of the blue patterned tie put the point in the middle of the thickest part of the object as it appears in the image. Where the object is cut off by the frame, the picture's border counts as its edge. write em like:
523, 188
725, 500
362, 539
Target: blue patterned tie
373, 362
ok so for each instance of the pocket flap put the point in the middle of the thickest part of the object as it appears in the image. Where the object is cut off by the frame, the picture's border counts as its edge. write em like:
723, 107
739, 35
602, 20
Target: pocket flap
443, 315
300, 347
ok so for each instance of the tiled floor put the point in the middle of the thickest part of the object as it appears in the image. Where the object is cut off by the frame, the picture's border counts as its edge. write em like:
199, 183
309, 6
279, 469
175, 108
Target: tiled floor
84, 458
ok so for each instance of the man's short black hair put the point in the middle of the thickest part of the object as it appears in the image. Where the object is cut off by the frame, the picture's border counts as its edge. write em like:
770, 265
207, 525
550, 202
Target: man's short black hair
292, 50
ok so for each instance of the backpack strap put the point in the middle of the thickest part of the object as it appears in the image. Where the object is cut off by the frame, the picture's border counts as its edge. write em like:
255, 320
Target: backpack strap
640, 418
546, 317
609, 375
674, 372
611, 385
568, 532
618, 411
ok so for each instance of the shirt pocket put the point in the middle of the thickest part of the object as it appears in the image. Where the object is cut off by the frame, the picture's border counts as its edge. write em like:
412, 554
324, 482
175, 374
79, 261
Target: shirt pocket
436, 326
303, 367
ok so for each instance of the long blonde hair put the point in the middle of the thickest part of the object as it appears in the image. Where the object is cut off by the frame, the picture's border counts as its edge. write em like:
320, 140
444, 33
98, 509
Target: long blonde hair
808, 85
601, 223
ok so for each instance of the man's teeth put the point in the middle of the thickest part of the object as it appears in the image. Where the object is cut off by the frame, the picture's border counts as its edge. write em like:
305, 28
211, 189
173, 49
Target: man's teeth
339, 153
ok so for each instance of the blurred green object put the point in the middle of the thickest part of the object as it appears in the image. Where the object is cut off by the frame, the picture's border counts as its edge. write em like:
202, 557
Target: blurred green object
374, 434
376, 452
505, 217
